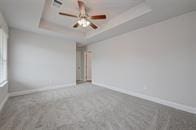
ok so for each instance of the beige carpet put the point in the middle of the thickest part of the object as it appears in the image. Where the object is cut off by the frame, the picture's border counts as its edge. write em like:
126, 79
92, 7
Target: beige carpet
88, 107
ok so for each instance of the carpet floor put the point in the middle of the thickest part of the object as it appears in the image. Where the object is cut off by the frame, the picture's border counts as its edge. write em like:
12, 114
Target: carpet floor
89, 107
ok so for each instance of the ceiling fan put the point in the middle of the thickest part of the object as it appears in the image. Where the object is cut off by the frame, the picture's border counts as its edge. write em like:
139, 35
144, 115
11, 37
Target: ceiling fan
84, 17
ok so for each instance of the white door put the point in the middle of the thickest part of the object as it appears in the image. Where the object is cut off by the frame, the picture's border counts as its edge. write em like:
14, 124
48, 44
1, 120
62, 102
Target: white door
78, 65
88, 65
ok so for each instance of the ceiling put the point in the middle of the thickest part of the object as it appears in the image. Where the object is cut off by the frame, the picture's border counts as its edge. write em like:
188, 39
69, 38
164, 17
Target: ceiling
109, 7
122, 16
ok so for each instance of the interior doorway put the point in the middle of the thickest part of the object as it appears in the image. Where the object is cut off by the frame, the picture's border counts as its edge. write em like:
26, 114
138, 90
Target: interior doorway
83, 65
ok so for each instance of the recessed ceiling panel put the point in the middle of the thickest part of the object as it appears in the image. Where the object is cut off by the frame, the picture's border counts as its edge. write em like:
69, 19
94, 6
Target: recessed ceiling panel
112, 8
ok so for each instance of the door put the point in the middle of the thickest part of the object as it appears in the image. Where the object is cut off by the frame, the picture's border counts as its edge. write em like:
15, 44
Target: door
78, 65
88, 65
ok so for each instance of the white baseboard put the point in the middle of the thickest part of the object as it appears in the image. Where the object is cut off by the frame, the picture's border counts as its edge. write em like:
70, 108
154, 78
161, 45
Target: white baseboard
19, 93
153, 99
3, 102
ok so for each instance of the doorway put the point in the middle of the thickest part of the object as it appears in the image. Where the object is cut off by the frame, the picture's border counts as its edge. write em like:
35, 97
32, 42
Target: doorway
83, 65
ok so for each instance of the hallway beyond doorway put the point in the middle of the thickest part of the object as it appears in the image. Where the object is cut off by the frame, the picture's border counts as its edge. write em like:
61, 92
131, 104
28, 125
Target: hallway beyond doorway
82, 82
83, 65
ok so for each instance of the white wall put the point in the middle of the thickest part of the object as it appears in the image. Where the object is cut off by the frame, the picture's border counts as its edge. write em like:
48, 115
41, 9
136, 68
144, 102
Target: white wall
3, 89
3, 23
38, 61
156, 61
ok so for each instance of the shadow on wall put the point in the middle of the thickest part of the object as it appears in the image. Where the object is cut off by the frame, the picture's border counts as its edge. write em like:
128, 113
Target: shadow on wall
38, 61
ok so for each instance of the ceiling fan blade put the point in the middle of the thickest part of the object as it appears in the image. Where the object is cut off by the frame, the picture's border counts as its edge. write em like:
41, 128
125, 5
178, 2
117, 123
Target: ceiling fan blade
98, 17
66, 14
82, 7
76, 25
93, 25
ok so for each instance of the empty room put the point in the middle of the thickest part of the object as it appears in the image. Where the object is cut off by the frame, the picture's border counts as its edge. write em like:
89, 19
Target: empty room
97, 64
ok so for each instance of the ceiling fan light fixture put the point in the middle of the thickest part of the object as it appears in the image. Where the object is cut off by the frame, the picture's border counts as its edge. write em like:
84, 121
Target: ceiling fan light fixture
84, 19
84, 22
